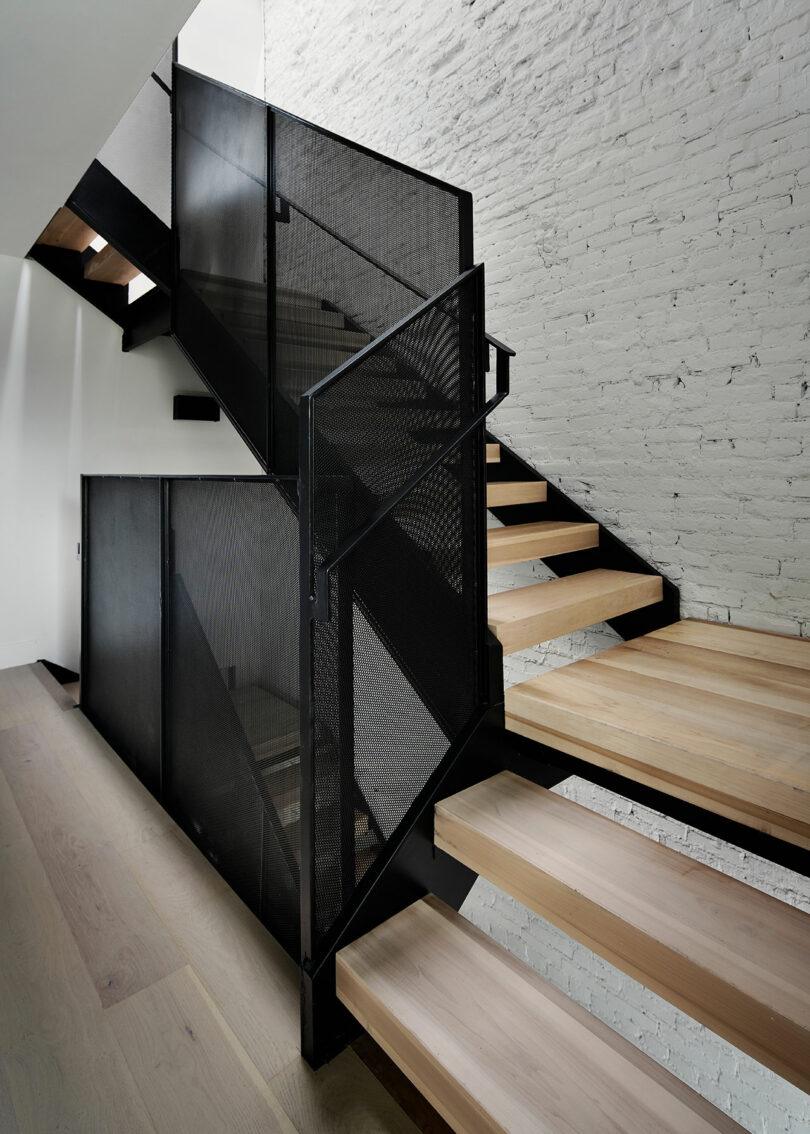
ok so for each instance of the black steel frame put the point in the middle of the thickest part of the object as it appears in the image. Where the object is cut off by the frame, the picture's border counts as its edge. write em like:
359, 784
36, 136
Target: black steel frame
408, 866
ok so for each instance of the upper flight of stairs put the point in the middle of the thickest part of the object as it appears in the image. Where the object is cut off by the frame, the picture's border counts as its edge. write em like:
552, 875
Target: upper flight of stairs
711, 714
64, 246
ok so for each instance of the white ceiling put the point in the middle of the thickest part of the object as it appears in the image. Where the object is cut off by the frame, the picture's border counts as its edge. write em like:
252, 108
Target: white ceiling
68, 72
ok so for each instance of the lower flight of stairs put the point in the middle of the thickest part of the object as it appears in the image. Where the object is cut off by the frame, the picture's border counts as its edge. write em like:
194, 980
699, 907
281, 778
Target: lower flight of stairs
711, 714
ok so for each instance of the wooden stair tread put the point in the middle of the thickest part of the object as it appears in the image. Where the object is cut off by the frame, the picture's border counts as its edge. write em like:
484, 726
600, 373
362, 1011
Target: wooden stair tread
502, 493
730, 956
494, 1046
109, 266
519, 542
781, 649
493, 453
735, 741
66, 230
528, 615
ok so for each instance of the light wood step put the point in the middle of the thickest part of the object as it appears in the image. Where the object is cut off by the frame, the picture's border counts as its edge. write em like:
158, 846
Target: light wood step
289, 315
109, 266
496, 1048
66, 230
328, 338
723, 730
500, 494
520, 542
528, 615
493, 453
730, 956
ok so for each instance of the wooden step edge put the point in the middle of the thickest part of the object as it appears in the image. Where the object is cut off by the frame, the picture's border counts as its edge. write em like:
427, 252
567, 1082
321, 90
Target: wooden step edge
618, 898
730, 807
614, 593
66, 230
504, 493
494, 1047
523, 542
109, 266
493, 453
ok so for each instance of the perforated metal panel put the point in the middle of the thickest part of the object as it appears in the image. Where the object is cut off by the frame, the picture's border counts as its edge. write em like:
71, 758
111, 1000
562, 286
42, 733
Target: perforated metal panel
220, 230
356, 235
232, 720
227, 629
394, 671
121, 655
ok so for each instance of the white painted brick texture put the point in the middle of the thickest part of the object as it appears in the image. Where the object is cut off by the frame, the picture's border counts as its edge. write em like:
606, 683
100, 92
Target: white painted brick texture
641, 178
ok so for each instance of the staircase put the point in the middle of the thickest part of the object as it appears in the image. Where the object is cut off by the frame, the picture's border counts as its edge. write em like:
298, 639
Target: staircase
353, 366
712, 714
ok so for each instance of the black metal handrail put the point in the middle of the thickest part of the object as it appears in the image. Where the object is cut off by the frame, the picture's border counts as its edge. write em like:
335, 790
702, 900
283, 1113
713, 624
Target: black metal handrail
319, 579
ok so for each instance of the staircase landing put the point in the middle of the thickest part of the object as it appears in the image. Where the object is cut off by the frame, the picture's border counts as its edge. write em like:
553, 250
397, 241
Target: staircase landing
715, 715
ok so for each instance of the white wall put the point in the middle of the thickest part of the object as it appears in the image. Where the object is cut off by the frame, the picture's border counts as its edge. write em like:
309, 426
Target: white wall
225, 39
67, 74
641, 178
70, 403
139, 150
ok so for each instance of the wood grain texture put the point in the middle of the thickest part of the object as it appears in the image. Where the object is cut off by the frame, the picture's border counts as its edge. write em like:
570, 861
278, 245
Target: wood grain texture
500, 494
732, 732
781, 649
109, 266
730, 956
248, 974
526, 616
493, 1046
188, 1071
120, 937
60, 1060
343, 1097
65, 230
521, 542
493, 453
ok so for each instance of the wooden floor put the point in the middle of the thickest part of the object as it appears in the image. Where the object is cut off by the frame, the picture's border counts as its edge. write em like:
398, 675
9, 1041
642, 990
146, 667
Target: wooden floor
137, 993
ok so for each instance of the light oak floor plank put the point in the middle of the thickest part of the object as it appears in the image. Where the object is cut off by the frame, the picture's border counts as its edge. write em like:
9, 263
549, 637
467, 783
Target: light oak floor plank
343, 1097
249, 976
124, 945
59, 1057
244, 980
186, 1067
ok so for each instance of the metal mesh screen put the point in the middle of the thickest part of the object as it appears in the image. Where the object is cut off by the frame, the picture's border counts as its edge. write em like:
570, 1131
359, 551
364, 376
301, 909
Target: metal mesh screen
228, 686
394, 669
121, 652
220, 226
233, 767
359, 242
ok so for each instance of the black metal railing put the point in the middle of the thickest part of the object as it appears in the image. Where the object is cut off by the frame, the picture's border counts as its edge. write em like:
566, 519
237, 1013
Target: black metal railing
293, 247
394, 662
304, 659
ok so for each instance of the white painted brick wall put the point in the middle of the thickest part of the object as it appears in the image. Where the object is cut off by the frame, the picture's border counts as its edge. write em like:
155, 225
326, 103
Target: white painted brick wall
641, 177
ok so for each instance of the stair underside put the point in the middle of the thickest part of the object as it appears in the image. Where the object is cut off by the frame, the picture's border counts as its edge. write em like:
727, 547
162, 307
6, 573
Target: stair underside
712, 714
493, 1046
730, 956
109, 266
522, 542
527, 615
66, 230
